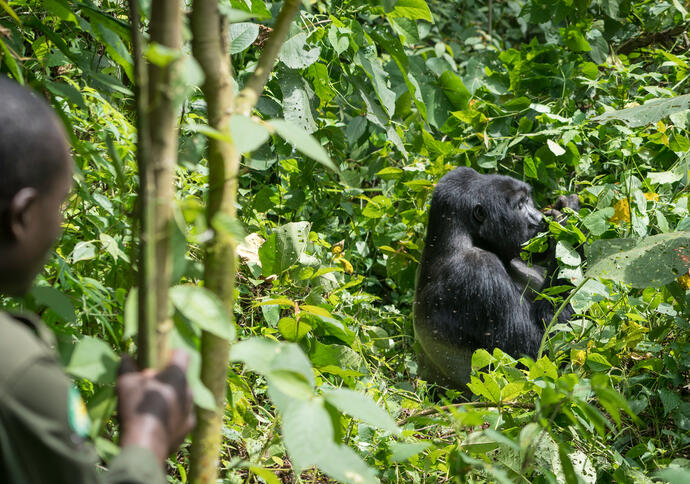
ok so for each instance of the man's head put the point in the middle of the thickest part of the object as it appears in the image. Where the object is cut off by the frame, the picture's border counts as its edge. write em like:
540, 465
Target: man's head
35, 178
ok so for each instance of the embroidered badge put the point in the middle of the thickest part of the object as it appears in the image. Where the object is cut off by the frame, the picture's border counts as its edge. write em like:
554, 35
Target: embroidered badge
77, 415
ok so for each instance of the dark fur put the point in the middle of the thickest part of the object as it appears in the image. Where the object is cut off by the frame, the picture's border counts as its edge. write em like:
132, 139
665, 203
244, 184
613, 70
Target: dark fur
473, 291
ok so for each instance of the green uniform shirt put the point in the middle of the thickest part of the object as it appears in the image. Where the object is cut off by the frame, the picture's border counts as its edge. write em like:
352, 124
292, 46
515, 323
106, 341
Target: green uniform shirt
40, 439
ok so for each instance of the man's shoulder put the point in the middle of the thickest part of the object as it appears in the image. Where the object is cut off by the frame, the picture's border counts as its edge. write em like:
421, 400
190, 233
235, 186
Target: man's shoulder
20, 343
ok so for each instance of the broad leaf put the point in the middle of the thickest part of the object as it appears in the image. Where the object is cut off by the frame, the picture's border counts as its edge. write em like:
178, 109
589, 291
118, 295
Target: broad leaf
242, 35
653, 261
296, 54
94, 360
283, 248
648, 113
302, 141
203, 308
361, 407
246, 133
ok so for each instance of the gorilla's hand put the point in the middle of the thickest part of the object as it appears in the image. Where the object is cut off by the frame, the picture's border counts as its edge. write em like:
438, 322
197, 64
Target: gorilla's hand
555, 211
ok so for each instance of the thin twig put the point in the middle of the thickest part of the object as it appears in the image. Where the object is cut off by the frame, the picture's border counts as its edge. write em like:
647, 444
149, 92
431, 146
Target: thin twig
432, 411
249, 96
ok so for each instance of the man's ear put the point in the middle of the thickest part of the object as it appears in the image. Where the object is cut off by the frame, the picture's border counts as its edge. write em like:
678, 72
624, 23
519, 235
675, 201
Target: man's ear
19, 213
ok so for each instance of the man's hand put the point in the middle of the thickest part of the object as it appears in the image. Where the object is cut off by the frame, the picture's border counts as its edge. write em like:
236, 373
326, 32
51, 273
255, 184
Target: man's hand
155, 407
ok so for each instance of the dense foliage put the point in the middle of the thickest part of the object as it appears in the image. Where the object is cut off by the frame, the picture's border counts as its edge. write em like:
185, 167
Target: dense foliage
572, 96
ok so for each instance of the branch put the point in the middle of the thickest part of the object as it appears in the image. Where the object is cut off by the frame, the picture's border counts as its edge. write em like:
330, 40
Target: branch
649, 38
146, 333
432, 411
249, 96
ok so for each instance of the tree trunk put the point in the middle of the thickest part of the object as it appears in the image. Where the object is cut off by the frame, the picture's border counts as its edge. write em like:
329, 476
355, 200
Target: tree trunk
165, 29
146, 334
210, 48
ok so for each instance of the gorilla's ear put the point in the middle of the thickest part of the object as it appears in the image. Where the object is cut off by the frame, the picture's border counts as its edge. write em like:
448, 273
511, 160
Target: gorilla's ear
479, 213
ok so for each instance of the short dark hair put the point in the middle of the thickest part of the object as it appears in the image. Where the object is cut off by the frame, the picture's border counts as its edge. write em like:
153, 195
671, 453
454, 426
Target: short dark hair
33, 145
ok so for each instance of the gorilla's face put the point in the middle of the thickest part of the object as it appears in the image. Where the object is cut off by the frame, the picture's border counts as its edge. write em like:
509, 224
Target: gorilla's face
506, 216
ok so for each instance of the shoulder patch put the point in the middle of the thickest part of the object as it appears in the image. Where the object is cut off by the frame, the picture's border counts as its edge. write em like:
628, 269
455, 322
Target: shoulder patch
77, 416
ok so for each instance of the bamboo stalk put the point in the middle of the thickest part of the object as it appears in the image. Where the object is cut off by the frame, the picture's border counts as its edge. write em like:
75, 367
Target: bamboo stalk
146, 334
165, 29
210, 48
209, 31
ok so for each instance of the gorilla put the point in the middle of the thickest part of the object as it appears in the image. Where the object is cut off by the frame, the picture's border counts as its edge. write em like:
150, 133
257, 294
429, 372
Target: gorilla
473, 290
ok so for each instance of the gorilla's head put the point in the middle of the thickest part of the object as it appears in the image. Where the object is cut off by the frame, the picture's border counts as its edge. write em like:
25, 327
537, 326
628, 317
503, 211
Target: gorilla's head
495, 211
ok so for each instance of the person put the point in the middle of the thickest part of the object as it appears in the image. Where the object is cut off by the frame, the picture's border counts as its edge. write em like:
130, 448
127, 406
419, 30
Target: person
43, 424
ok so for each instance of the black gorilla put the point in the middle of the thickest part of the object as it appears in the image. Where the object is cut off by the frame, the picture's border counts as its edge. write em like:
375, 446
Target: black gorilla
473, 291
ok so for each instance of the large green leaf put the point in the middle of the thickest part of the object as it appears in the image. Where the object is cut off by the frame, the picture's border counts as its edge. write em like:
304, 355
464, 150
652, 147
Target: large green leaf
648, 113
297, 97
310, 440
361, 407
412, 9
296, 54
379, 78
302, 141
94, 360
283, 248
242, 35
55, 300
653, 261
203, 308
246, 133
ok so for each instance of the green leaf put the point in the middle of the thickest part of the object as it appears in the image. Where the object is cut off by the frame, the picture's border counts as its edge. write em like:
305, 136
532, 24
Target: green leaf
293, 330
555, 148
242, 35
94, 360
649, 113
161, 55
9, 11
456, 91
411, 9
11, 63
283, 248
402, 451
83, 251
670, 400
361, 407
57, 301
265, 474
236, 15
566, 253
310, 440
291, 383
111, 246
674, 475
114, 46
567, 466
297, 98
203, 308
131, 314
651, 262
371, 65
296, 55
303, 142
598, 362
481, 358
266, 356
66, 91
543, 367
574, 40
60, 9
479, 443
